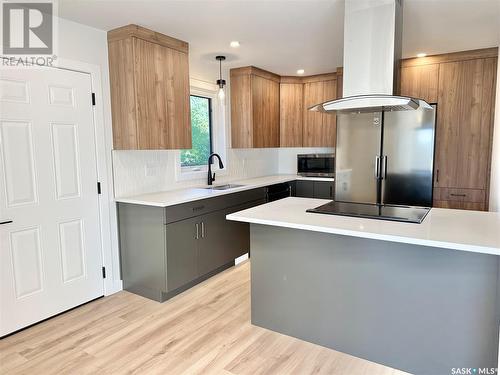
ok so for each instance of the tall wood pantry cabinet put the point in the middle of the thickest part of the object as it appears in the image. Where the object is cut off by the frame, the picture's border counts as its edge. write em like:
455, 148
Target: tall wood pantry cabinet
149, 76
463, 86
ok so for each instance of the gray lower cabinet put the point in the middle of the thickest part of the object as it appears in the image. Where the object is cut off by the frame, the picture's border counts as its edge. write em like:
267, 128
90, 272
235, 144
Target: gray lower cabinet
323, 189
164, 251
182, 252
142, 249
221, 241
304, 189
314, 189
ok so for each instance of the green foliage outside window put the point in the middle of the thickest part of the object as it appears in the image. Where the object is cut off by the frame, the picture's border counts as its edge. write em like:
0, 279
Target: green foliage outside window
200, 130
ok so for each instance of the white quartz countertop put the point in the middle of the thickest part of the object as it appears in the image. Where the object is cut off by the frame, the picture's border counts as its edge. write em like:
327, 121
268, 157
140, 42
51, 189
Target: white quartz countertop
472, 231
173, 197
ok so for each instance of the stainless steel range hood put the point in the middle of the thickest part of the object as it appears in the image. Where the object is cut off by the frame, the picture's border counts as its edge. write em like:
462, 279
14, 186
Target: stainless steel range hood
372, 54
371, 103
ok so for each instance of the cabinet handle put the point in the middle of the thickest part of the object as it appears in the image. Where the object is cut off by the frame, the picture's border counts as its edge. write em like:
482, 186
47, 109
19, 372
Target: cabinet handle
197, 231
198, 208
437, 175
202, 229
331, 191
6, 222
458, 195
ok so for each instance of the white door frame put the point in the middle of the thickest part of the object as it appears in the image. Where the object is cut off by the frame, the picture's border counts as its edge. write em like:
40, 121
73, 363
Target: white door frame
104, 145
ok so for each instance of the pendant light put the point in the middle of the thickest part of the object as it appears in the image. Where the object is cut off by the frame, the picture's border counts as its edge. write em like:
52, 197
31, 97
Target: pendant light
221, 82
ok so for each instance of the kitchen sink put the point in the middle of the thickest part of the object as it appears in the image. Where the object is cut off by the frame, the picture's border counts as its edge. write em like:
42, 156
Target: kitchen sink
224, 187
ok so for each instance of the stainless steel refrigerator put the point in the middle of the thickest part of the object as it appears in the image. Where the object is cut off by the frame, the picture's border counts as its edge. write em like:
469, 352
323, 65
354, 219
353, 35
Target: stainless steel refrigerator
384, 164
385, 157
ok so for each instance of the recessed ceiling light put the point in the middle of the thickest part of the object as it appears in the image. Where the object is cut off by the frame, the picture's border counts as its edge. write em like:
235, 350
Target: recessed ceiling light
300, 71
421, 54
234, 44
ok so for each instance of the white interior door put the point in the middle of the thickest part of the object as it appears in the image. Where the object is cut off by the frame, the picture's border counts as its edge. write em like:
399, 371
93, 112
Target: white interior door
51, 252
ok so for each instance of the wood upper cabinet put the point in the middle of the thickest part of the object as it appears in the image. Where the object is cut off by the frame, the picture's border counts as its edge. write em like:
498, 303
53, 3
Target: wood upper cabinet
420, 82
255, 109
272, 111
465, 123
291, 114
149, 74
319, 128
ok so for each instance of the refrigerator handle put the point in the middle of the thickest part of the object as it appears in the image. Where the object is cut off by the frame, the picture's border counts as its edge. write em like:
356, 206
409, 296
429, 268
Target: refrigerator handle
377, 167
384, 167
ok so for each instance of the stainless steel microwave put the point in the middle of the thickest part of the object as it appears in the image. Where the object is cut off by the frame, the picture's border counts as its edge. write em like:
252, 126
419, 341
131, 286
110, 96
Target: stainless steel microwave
316, 165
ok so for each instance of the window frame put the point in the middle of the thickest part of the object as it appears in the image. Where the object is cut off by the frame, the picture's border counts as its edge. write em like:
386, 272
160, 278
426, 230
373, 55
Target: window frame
218, 134
210, 129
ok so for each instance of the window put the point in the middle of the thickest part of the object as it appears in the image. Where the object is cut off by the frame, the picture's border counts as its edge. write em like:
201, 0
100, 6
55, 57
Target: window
201, 132
208, 130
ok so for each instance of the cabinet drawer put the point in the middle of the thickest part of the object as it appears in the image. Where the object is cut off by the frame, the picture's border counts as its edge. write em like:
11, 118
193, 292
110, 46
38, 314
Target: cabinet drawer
460, 205
460, 195
204, 206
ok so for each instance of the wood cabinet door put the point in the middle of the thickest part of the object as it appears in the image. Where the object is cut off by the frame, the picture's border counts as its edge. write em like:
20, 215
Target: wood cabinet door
291, 114
241, 111
265, 112
420, 82
123, 108
329, 131
464, 123
162, 97
313, 121
178, 100
319, 128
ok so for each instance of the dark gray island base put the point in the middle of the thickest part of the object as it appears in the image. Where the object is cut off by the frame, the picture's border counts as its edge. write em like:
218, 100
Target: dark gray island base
419, 309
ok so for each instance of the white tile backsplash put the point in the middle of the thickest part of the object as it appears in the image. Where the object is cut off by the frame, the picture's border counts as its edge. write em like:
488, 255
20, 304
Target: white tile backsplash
140, 172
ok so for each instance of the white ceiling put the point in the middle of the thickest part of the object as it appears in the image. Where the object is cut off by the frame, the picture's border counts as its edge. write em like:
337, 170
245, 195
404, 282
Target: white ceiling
283, 36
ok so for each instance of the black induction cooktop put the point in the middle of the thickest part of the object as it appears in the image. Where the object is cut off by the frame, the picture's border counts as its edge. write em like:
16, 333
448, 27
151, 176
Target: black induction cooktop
406, 214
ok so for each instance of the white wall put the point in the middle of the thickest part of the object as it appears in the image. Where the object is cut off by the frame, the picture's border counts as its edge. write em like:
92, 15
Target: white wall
495, 163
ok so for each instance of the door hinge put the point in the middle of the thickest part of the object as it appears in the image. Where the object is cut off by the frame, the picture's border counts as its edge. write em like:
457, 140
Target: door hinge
93, 98
98, 187
103, 272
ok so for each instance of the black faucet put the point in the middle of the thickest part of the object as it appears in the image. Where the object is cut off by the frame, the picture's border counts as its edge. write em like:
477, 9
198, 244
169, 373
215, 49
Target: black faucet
211, 177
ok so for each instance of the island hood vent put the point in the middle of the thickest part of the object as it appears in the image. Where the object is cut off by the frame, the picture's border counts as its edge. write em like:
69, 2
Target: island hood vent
372, 54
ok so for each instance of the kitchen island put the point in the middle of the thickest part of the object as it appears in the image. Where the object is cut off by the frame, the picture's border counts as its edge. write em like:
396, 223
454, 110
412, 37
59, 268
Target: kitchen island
423, 298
